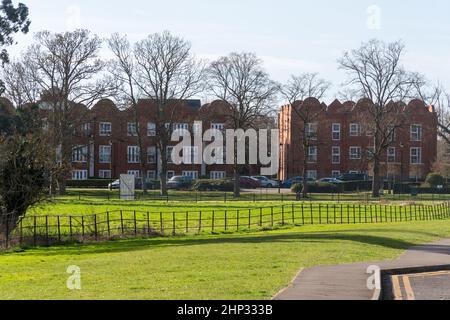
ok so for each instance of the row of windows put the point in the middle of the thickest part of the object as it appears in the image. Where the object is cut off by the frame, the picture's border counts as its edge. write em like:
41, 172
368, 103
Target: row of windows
416, 131
355, 153
132, 128
151, 174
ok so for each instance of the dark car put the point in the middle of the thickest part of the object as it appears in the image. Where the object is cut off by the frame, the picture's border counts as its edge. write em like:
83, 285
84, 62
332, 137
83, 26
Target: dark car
249, 183
150, 184
290, 182
179, 183
353, 177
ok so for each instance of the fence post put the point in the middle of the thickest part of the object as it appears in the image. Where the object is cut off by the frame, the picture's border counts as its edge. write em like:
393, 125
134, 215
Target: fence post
342, 214
108, 225
161, 223
354, 214
226, 220
148, 223
320, 213
46, 230
293, 214
260, 217
82, 227
249, 218
59, 229
312, 212
34, 231
303, 214
237, 219
187, 221
95, 227
173, 224
135, 223
213, 222
282, 214
271, 216
200, 223
121, 222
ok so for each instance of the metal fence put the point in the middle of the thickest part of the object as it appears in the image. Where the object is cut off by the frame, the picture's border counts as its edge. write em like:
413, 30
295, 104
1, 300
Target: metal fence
52, 229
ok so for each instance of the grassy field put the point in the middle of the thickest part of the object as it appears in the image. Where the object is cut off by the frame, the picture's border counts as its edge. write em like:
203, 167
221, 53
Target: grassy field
240, 266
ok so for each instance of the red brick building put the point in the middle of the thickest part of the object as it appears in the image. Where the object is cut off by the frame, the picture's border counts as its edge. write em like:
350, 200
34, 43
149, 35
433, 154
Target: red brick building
343, 144
106, 145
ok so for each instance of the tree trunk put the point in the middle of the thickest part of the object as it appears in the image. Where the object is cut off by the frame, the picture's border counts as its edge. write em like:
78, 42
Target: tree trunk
163, 187
237, 185
376, 179
305, 173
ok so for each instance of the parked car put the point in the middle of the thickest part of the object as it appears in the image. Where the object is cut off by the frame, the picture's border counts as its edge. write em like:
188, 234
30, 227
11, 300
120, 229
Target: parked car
353, 177
330, 180
290, 182
150, 184
179, 183
249, 183
266, 182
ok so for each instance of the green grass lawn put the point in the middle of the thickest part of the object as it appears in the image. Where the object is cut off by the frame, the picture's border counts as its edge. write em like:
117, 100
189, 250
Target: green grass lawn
240, 266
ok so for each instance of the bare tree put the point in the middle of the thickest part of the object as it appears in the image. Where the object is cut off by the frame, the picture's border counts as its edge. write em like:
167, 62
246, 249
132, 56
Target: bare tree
295, 91
66, 68
240, 81
20, 88
160, 67
376, 72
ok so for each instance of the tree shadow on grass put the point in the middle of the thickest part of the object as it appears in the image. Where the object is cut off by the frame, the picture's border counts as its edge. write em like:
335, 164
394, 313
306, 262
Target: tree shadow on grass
117, 246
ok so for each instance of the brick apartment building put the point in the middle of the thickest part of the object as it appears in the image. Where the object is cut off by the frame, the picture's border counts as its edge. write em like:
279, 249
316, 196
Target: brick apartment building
343, 144
105, 143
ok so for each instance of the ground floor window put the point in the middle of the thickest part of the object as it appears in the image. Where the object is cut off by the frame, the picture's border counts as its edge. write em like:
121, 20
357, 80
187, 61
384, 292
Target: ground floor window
151, 174
104, 174
191, 174
79, 175
216, 175
335, 173
311, 174
170, 174
135, 173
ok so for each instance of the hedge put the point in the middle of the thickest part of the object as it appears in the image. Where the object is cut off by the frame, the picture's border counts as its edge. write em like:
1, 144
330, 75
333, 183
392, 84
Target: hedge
317, 187
91, 183
213, 185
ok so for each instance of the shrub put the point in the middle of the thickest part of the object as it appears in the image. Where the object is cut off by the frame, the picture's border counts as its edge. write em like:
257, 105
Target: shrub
351, 186
213, 185
91, 183
433, 180
316, 187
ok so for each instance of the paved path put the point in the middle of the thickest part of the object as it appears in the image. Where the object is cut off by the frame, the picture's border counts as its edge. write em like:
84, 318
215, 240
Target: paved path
349, 282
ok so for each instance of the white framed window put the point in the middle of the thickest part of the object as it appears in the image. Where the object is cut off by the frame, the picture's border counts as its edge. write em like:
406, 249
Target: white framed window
104, 154
336, 131
180, 126
105, 129
217, 175
104, 174
86, 129
311, 131
416, 132
336, 155
355, 153
151, 129
151, 155
416, 155
370, 153
170, 174
311, 174
191, 174
133, 154
135, 173
190, 154
355, 129
132, 129
312, 154
218, 126
392, 134
151, 174
79, 154
335, 173
169, 151
197, 127
79, 175
391, 155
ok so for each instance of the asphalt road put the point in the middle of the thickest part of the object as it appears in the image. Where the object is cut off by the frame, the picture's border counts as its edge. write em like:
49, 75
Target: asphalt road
422, 286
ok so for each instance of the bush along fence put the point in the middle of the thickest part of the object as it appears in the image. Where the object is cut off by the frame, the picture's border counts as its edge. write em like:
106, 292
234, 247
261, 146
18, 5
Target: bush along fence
53, 229
256, 196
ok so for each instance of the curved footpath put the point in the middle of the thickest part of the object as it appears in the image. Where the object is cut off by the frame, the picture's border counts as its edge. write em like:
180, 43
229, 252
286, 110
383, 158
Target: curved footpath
349, 282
